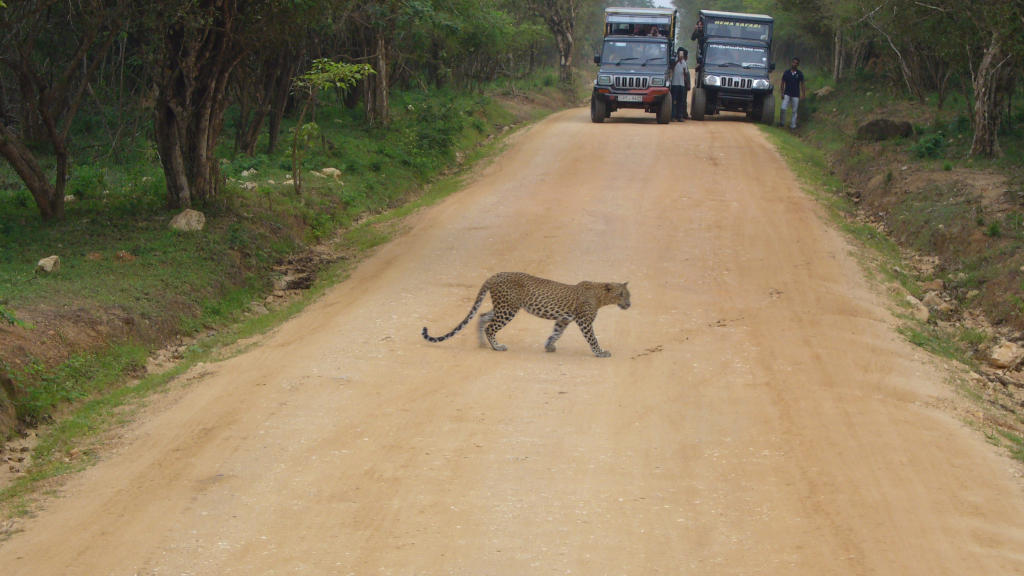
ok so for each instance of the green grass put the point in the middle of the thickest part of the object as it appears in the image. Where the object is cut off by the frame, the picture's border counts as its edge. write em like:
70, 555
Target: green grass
1015, 444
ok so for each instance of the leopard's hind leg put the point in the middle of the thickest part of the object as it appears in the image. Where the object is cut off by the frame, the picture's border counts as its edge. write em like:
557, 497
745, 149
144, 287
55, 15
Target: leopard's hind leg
560, 325
500, 316
485, 318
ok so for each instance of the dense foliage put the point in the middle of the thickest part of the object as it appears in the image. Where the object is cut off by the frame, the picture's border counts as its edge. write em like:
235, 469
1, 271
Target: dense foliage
171, 77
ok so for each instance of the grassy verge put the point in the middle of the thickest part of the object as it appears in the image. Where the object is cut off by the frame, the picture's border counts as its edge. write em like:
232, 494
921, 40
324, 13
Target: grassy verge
122, 267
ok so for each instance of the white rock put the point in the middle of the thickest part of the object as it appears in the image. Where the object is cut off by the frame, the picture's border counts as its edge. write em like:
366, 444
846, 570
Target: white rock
189, 221
1005, 354
918, 310
331, 173
935, 302
49, 265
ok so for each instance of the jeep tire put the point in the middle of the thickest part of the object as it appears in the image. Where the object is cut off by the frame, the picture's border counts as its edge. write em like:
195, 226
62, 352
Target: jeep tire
768, 109
698, 104
598, 110
665, 110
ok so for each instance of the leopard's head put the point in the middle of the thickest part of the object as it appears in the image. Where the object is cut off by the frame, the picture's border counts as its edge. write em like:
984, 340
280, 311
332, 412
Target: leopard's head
617, 294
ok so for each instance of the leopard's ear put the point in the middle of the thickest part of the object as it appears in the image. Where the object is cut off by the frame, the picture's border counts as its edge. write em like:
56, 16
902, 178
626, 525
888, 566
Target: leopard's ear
625, 284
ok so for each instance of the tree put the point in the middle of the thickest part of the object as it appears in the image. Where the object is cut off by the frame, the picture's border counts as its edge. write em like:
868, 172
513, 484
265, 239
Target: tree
376, 25
52, 73
201, 46
324, 74
560, 17
1002, 25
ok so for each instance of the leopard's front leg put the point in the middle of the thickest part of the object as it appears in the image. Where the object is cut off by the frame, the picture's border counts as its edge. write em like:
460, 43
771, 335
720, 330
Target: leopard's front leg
587, 327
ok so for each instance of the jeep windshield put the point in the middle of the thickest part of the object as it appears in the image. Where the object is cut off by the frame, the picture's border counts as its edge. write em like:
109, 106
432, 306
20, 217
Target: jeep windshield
734, 56
617, 52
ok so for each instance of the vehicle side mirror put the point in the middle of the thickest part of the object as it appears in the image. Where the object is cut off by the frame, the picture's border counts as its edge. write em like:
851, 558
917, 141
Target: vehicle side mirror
771, 67
597, 59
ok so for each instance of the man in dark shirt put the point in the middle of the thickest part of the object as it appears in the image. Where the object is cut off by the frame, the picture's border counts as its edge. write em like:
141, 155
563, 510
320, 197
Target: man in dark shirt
793, 90
698, 36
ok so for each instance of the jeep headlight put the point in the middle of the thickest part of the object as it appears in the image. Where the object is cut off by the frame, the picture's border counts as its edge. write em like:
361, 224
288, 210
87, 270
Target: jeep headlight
712, 80
657, 81
604, 80
761, 84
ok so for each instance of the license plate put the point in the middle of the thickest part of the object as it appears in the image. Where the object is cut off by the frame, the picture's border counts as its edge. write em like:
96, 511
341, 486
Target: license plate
631, 98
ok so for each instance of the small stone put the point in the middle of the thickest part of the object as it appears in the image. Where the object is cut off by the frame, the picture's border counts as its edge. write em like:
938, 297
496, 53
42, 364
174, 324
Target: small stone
49, 265
919, 311
189, 221
1005, 354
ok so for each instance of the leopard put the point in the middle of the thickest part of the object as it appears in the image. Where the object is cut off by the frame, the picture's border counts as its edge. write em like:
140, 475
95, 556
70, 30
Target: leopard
548, 299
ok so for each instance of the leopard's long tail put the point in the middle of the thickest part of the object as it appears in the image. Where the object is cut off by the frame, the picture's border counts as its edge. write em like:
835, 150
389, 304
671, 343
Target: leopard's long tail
472, 312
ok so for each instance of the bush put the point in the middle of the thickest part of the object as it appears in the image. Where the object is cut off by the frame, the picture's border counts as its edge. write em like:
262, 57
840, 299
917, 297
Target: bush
930, 145
87, 181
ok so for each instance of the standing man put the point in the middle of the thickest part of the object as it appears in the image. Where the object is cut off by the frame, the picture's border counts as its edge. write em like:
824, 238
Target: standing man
793, 90
698, 37
680, 85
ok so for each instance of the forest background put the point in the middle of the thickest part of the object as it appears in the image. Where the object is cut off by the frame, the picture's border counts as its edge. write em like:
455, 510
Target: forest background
287, 121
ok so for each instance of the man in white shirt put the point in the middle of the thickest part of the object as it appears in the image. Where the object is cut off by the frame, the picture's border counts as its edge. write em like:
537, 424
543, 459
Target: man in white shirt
680, 85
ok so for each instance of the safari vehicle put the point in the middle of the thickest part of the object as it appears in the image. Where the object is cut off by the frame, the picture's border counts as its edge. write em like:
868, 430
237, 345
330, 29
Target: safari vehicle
733, 66
634, 63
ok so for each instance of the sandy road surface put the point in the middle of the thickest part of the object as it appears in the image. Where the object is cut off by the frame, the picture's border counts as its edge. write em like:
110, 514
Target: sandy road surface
758, 414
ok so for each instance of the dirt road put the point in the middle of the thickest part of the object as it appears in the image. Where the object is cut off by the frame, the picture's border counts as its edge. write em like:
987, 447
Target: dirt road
759, 414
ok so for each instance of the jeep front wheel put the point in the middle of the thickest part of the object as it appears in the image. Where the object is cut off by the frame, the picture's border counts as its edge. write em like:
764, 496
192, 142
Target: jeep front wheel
698, 104
665, 110
598, 110
768, 109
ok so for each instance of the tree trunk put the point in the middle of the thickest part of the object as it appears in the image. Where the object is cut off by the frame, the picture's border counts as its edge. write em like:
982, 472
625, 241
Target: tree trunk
565, 47
988, 81
192, 99
287, 67
837, 55
49, 203
169, 131
376, 88
51, 97
560, 17
268, 103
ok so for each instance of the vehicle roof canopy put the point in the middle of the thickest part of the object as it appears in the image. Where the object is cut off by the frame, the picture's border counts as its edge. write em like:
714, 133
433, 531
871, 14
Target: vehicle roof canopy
734, 26
737, 15
623, 21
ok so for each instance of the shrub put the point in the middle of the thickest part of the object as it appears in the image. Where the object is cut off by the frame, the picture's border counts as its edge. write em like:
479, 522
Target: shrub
929, 145
87, 181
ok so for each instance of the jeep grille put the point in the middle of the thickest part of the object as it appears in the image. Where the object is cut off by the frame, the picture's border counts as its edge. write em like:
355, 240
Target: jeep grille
730, 82
640, 82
